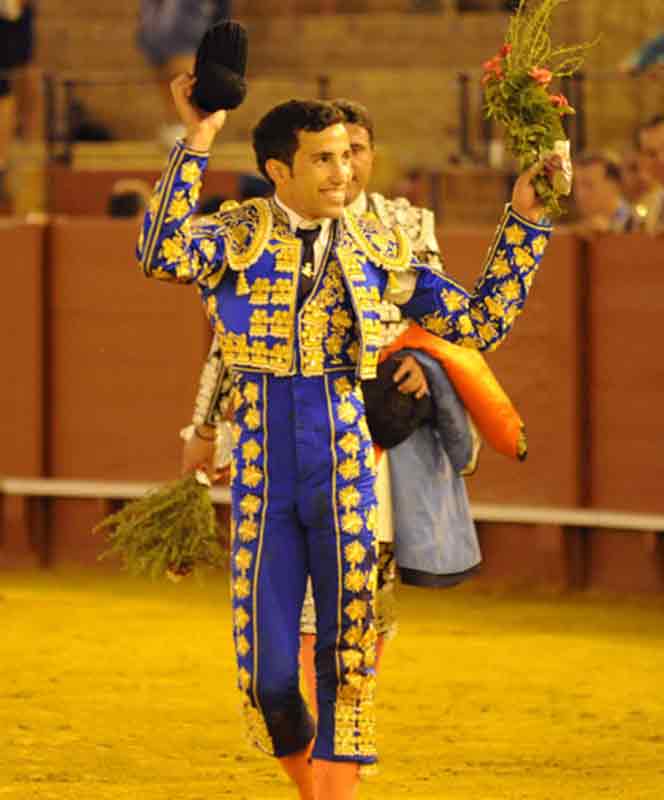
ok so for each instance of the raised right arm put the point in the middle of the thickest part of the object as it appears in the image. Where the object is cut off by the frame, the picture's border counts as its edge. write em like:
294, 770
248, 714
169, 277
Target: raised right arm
170, 247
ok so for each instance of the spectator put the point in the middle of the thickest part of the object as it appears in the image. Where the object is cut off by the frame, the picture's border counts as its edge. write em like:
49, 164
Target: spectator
635, 179
639, 187
651, 146
20, 92
599, 198
648, 58
169, 32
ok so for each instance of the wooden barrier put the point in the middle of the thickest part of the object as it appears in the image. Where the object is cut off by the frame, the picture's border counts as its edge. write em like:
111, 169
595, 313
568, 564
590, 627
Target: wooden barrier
640, 532
538, 366
126, 354
86, 192
22, 337
626, 380
102, 367
22, 396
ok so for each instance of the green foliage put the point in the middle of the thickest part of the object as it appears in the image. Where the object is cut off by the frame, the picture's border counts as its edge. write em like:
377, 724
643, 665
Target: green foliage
516, 92
529, 37
170, 531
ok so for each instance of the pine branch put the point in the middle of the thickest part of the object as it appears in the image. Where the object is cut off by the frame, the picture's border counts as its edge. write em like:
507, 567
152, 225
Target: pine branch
170, 530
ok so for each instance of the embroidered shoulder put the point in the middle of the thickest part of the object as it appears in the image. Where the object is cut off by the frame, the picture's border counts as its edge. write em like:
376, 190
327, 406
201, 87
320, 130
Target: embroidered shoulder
388, 247
246, 229
417, 223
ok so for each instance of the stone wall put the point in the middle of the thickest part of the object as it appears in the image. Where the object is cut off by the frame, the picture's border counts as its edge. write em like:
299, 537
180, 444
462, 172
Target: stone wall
402, 65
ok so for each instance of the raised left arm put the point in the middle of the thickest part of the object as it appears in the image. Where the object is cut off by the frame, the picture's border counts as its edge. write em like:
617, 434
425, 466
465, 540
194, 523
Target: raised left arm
483, 318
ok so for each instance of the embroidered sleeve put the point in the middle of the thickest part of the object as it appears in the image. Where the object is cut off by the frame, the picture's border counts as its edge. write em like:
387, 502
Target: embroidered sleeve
482, 319
214, 389
169, 246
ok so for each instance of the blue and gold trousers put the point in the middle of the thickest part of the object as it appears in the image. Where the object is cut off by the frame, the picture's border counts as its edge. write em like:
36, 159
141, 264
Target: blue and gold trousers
303, 503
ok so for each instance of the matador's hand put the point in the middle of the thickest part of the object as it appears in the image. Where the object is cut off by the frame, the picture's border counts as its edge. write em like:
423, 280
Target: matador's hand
202, 127
525, 200
411, 378
198, 453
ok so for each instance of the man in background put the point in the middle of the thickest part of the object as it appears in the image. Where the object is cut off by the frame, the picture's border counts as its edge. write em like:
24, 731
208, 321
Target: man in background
169, 32
598, 195
651, 146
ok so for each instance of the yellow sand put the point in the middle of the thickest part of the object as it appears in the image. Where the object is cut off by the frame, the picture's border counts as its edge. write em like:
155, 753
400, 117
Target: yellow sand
112, 688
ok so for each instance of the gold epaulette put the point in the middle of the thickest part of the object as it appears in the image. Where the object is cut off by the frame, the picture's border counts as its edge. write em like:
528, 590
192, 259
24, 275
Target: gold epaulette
386, 247
246, 228
228, 205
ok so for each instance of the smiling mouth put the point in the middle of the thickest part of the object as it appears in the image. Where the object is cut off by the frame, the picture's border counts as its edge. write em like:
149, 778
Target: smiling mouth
334, 194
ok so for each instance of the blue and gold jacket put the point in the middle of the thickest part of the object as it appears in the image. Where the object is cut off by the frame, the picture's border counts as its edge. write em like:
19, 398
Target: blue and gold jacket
245, 263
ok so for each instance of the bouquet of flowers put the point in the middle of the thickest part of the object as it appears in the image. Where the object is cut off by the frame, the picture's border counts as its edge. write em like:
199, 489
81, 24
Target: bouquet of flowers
517, 94
170, 531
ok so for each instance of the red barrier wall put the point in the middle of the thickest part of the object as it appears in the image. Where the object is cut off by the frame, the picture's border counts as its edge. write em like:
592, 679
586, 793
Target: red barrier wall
22, 395
86, 192
106, 395
22, 335
626, 380
537, 366
125, 356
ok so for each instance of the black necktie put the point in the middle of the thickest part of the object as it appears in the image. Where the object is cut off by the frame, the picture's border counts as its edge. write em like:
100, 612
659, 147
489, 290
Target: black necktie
308, 237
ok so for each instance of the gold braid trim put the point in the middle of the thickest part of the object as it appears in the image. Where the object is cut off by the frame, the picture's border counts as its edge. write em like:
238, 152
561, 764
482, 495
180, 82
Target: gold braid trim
388, 247
247, 230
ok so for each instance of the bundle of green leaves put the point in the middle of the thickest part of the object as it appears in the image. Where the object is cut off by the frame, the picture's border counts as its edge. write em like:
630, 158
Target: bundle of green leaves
517, 92
170, 531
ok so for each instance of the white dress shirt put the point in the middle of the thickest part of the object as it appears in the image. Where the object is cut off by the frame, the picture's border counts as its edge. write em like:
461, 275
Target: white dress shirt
295, 221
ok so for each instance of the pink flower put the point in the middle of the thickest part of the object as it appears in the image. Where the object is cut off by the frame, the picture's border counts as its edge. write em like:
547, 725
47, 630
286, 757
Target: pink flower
559, 101
493, 64
493, 70
541, 76
505, 50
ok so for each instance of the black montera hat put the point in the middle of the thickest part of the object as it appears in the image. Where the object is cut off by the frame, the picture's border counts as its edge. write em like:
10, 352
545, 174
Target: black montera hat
221, 63
392, 416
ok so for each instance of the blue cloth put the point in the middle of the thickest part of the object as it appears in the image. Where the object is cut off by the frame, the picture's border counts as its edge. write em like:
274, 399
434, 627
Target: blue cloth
451, 424
435, 538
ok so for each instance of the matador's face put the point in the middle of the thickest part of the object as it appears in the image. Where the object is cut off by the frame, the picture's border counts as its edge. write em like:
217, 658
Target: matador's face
315, 186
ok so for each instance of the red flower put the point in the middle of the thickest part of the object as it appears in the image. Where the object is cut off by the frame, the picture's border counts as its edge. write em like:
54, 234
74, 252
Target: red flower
559, 101
493, 64
505, 50
493, 70
541, 76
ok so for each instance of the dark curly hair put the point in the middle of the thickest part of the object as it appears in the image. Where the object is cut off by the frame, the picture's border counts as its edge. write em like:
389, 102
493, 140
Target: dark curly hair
276, 135
355, 114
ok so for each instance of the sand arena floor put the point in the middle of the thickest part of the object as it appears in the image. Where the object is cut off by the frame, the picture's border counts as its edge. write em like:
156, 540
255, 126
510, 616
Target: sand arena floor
112, 688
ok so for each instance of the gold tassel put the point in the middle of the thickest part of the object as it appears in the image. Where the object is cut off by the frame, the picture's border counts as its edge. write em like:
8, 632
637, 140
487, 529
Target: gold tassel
242, 287
393, 282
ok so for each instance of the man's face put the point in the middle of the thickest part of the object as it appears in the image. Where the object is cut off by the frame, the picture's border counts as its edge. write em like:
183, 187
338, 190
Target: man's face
362, 158
636, 179
315, 187
652, 148
594, 192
